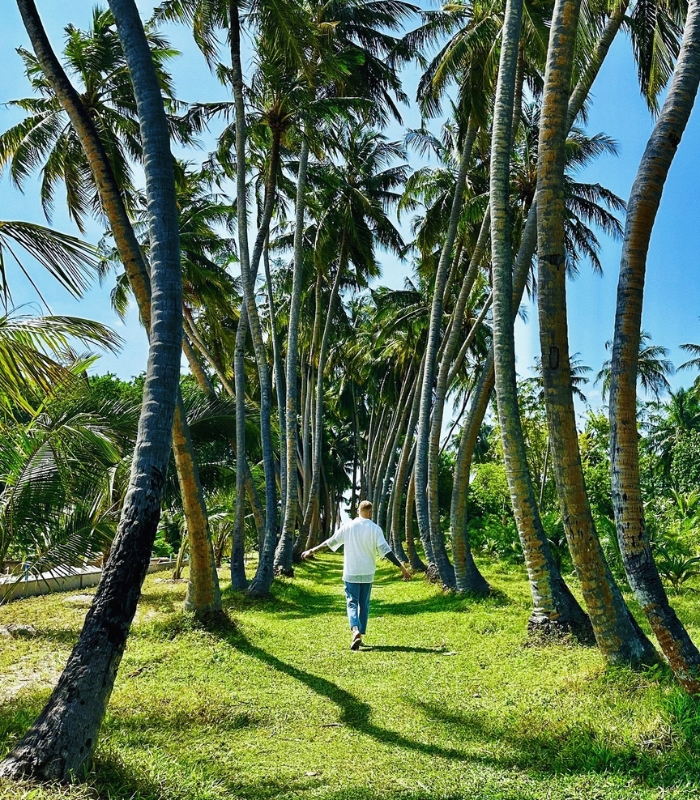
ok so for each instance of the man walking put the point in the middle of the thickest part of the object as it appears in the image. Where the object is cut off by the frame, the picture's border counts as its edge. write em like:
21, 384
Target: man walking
363, 541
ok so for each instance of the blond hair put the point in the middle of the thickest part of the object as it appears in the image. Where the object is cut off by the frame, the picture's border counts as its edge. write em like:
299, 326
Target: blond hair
365, 508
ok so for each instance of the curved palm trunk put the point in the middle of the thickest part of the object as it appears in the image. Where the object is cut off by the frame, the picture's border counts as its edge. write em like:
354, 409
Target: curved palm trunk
385, 505
312, 503
193, 334
260, 585
62, 739
445, 374
249, 270
404, 461
279, 376
441, 559
239, 581
618, 639
203, 594
481, 396
413, 558
677, 646
283, 556
204, 585
546, 615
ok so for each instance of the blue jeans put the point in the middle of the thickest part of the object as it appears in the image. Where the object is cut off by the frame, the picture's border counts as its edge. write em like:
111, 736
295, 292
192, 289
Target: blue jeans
357, 596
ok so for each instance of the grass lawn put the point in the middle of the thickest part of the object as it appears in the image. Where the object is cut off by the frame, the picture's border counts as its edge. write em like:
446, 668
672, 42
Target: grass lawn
448, 700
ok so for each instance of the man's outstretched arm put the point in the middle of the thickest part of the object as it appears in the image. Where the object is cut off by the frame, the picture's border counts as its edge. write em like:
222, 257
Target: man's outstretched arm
391, 558
309, 553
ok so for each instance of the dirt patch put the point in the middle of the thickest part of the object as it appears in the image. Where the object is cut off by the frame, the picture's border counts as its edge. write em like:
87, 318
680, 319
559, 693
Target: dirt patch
25, 675
80, 599
17, 631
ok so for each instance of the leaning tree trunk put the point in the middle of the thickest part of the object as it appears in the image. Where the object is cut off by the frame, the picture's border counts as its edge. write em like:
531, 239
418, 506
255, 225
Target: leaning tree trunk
61, 741
249, 269
643, 576
260, 585
445, 376
283, 559
442, 562
414, 559
619, 640
203, 595
312, 502
239, 580
549, 612
480, 398
279, 375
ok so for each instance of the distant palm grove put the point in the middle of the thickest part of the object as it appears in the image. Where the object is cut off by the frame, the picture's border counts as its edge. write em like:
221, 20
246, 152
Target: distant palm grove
284, 383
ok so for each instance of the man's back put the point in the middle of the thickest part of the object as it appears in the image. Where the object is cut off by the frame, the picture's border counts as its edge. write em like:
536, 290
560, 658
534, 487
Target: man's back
363, 541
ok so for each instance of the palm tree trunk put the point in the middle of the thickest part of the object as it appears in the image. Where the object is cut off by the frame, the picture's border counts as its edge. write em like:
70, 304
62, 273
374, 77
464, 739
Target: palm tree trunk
60, 742
307, 394
443, 382
374, 444
645, 198
548, 615
402, 469
264, 574
312, 503
283, 558
279, 375
239, 581
193, 334
617, 638
413, 558
203, 593
444, 567
392, 454
205, 583
262, 581
545, 467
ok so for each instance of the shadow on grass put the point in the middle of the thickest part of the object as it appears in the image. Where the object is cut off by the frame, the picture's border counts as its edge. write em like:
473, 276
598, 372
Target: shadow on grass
399, 648
354, 713
444, 602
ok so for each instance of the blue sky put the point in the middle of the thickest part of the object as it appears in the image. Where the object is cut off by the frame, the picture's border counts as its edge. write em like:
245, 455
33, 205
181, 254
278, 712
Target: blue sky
672, 306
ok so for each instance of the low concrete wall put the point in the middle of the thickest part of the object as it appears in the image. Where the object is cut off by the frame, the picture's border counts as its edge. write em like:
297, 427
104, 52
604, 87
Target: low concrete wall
60, 580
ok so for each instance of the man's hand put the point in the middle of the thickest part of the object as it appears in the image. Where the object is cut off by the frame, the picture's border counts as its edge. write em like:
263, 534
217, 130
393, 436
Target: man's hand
307, 554
406, 575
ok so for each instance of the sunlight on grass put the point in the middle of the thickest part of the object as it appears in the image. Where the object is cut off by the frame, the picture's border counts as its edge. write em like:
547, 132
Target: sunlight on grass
448, 700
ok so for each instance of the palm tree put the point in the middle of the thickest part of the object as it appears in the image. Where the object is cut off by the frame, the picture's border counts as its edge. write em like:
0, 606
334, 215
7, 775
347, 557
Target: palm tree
618, 638
96, 59
50, 750
645, 198
94, 145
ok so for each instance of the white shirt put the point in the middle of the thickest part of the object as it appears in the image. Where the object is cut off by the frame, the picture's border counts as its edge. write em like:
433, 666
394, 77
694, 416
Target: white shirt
363, 541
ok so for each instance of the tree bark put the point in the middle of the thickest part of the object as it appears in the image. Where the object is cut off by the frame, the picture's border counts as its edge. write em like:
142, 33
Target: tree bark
312, 503
280, 382
441, 561
413, 558
283, 559
619, 640
645, 198
549, 614
203, 577
445, 375
61, 740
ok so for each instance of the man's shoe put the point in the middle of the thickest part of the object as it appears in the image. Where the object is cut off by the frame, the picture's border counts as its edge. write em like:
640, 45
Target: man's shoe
356, 641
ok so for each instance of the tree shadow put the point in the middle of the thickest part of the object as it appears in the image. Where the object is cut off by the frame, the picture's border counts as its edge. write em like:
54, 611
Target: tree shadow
399, 648
444, 602
354, 713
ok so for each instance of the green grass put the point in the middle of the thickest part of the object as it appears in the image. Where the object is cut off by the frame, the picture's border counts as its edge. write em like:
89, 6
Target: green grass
449, 700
